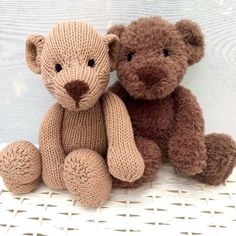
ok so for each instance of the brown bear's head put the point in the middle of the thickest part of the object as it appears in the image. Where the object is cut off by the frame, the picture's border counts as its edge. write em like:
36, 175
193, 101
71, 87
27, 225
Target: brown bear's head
75, 63
154, 55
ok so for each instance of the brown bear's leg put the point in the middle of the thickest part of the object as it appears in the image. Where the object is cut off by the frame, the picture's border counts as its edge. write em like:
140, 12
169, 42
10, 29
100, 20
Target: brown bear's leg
86, 176
20, 167
221, 158
151, 154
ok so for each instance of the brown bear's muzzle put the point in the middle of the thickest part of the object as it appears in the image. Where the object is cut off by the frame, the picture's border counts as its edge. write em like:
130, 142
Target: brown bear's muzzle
150, 75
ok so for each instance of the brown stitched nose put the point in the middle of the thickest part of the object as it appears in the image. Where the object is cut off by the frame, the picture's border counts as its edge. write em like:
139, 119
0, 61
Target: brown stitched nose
150, 76
76, 89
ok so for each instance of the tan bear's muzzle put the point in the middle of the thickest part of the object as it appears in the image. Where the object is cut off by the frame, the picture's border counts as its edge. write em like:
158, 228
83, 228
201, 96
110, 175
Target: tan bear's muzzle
76, 89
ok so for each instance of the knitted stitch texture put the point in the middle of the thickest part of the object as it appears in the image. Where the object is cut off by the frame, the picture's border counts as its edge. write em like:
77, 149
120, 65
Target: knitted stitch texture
126, 168
84, 126
20, 174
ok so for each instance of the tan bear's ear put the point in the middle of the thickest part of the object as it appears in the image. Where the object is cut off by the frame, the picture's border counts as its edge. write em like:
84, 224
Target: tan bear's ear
112, 43
193, 38
33, 50
116, 29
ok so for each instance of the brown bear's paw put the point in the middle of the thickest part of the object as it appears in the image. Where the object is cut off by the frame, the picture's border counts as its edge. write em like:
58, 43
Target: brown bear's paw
187, 153
20, 166
151, 154
221, 152
87, 177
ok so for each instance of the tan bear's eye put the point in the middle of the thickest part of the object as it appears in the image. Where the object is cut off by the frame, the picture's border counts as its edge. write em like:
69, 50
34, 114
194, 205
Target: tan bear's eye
130, 56
166, 52
91, 62
58, 67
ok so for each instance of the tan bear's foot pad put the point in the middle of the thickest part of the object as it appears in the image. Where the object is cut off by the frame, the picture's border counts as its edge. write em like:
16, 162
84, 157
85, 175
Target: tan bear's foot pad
87, 177
20, 166
221, 151
20, 188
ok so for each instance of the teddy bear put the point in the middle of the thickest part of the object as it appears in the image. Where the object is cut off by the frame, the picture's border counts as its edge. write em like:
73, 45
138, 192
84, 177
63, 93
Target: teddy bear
86, 136
153, 58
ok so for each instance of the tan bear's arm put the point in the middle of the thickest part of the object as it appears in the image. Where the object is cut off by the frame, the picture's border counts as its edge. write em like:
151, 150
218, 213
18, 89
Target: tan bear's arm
187, 150
51, 148
124, 160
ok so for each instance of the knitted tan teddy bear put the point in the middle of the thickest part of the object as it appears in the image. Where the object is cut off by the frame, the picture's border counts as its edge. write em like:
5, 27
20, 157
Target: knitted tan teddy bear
85, 128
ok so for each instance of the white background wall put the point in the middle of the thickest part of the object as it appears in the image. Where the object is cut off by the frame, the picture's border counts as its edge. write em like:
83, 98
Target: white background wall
24, 100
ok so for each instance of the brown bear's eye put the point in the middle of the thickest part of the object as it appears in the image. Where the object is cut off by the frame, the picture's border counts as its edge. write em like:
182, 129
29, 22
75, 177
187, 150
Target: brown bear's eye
58, 68
91, 62
130, 56
165, 52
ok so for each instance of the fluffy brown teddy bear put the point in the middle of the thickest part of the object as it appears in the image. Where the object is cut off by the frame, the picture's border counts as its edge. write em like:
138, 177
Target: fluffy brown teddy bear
83, 127
167, 120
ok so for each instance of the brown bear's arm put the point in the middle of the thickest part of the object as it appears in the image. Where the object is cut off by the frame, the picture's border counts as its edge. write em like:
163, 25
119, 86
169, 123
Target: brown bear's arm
124, 160
51, 148
187, 150
119, 90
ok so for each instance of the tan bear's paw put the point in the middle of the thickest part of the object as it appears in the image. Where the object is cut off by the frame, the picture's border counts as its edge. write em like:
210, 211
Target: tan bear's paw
151, 154
124, 163
20, 166
20, 188
87, 177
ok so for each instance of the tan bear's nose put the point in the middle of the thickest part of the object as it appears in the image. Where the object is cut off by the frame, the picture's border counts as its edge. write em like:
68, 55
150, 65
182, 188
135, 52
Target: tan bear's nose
76, 89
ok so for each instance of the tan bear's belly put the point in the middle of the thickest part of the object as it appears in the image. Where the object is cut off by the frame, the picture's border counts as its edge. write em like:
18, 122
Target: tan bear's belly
84, 129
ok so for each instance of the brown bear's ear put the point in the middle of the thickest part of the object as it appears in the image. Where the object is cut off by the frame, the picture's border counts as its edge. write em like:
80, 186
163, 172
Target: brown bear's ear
193, 38
116, 29
33, 50
112, 43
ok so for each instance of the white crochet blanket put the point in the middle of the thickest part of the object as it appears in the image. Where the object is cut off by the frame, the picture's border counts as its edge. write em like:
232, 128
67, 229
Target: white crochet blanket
170, 205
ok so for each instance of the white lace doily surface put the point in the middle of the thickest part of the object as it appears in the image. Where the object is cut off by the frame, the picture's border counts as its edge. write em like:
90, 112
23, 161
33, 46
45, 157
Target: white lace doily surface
170, 205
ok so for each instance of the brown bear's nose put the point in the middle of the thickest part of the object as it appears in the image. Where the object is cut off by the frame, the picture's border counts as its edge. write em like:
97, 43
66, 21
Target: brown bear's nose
149, 80
76, 89
150, 75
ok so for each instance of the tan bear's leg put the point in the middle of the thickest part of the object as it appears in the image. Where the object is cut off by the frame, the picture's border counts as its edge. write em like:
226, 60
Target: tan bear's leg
20, 167
86, 176
221, 158
151, 154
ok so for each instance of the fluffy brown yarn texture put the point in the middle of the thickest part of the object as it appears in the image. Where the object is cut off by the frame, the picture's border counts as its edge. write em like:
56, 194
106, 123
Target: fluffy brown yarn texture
87, 135
167, 119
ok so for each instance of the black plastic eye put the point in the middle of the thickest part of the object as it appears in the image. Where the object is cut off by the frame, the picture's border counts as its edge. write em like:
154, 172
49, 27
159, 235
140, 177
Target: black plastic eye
58, 68
165, 52
91, 62
130, 56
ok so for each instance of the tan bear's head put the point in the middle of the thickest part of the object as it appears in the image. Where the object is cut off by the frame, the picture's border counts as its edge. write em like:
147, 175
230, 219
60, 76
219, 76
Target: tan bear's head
154, 55
75, 62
